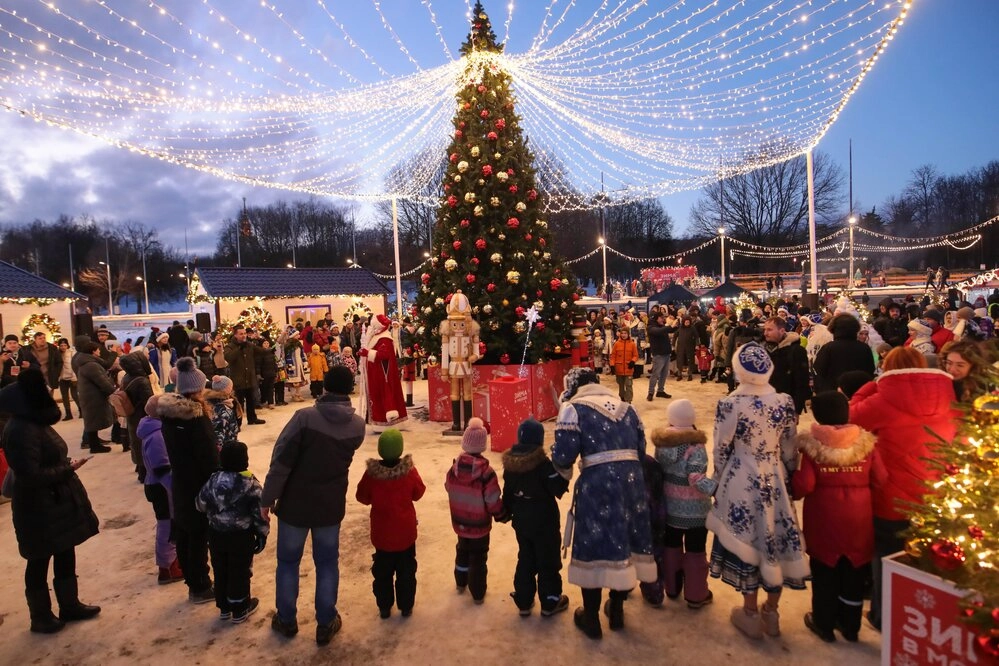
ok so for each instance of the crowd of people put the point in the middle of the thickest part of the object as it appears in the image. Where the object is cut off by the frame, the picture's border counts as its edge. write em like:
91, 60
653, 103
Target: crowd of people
638, 518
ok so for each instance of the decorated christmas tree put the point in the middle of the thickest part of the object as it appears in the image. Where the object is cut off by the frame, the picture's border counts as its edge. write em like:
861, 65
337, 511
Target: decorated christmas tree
955, 534
491, 239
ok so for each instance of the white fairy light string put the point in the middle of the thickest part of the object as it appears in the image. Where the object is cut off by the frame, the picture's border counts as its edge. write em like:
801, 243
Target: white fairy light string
299, 96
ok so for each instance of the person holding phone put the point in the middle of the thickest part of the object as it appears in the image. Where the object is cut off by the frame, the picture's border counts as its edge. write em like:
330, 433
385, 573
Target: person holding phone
50, 508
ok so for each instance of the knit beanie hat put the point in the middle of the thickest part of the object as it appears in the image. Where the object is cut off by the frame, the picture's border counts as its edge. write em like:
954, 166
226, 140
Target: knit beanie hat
339, 380
189, 378
10, 337
152, 406
830, 408
965, 313
530, 435
390, 444
221, 383
474, 439
752, 364
233, 457
851, 381
680, 414
934, 314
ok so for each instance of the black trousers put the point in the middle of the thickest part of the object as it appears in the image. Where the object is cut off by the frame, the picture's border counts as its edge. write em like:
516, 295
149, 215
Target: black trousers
191, 539
692, 540
394, 578
279, 393
838, 595
232, 562
267, 391
470, 568
247, 398
36, 571
316, 388
538, 557
67, 389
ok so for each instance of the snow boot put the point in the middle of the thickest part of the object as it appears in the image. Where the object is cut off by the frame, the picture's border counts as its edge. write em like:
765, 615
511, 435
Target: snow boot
170, 574
695, 579
614, 609
70, 608
40, 608
674, 572
587, 618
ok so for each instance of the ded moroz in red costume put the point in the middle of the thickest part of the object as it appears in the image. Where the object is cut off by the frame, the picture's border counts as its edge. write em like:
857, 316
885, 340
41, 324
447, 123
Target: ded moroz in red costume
386, 404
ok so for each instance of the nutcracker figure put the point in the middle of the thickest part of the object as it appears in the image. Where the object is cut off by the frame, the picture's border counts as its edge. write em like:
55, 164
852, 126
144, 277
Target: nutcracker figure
383, 387
459, 350
410, 353
580, 344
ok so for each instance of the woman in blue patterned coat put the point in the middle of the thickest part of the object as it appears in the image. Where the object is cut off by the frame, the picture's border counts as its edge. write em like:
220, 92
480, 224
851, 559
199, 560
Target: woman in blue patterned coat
758, 542
612, 543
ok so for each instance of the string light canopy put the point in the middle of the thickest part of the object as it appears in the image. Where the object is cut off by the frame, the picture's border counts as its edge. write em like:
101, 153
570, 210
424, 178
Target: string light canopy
329, 98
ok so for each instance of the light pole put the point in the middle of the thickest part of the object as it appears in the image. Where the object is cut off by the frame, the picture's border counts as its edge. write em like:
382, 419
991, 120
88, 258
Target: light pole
603, 245
110, 297
145, 281
853, 223
721, 234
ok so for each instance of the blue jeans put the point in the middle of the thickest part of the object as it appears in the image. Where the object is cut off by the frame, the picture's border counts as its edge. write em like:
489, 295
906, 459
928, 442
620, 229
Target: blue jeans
657, 376
325, 555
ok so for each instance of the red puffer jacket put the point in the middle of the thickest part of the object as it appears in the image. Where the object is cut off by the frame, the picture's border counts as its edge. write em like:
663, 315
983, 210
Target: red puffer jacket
839, 467
391, 492
899, 407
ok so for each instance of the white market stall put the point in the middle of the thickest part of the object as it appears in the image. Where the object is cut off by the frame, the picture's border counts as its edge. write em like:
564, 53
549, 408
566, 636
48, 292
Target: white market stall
30, 304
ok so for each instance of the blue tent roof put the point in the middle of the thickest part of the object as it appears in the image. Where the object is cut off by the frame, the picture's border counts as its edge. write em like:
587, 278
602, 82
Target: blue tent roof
19, 283
224, 282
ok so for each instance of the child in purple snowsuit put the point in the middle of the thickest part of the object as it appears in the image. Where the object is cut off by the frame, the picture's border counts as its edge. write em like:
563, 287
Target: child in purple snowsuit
158, 491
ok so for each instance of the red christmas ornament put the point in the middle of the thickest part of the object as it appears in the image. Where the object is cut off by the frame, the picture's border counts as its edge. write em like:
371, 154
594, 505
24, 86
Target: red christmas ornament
490, 287
513, 223
528, 237
482, 349
487, 170
444, 254
492, 136
484, 113
475, 261
989, 643
504, 359
425, 278
456, 245
510, 172
977, 533
464, 224
470, 279
520, 311
575, 296
555, 283
542, 242
540, 326
947, 555
480, 244
452, 201
995, 616
461, 124
513, 189
447, 188
532, 195
458, 134
454, 157
468, 105
951, 469
500, 124
481, 89
539, 293
447, 299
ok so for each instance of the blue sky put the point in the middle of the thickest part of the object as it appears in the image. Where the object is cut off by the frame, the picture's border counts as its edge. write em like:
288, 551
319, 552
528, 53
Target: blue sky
931, 98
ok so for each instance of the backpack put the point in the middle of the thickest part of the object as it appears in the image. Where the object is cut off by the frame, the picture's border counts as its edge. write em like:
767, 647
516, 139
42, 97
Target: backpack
121, 403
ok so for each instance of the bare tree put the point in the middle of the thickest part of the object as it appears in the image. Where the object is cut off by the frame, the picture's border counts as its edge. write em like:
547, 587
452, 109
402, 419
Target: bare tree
921, 191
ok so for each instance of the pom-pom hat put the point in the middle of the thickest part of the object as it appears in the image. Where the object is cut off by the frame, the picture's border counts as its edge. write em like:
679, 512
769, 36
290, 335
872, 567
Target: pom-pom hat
189, 378
474, 439
680, 414
752, 364
390, 444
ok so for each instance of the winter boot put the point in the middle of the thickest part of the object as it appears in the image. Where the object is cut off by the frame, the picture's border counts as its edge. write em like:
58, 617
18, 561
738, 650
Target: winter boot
409, 400
455, 416
614, 609
170, 574
40, 608
848, 622
674, 572
587, 618
695, 579
68, 417
93, 441
468, 412
70, 608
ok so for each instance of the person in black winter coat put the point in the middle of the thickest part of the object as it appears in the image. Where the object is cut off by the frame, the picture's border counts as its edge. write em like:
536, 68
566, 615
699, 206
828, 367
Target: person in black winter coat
686, 342
660, 347
791, 373
844, 354
530, 488
194, 456
135, 383
50, 508
268, 373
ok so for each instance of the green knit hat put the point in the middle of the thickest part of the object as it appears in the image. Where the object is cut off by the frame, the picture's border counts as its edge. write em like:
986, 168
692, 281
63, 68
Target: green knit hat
390, 444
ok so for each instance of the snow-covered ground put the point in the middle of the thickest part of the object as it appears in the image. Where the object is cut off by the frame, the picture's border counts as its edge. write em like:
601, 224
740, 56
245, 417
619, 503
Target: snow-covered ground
144, 623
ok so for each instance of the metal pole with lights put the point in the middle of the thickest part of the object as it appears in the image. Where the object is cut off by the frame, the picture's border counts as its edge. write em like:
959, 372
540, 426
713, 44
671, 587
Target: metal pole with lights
853, 223
107, 265
145, 282
721, 235
603, 245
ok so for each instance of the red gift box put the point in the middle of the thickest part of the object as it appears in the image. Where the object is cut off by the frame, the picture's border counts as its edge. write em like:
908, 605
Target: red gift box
509, 403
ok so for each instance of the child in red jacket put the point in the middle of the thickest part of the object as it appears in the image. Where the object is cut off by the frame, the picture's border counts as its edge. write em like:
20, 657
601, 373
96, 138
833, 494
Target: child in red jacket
839, 466
474, 497
704, 358
390, 486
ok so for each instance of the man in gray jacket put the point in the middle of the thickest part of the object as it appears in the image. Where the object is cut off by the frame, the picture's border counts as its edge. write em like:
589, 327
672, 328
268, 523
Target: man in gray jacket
306, 487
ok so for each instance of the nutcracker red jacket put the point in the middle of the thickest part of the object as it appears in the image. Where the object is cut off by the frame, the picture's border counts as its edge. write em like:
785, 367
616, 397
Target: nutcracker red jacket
391, 491
839, 467
902, 408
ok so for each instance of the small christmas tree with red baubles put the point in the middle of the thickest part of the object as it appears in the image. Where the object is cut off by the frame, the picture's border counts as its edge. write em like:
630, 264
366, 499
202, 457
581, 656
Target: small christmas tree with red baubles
491, 239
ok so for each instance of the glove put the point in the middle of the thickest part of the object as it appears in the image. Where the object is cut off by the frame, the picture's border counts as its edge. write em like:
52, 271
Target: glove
259, 541
631, 365
364, 352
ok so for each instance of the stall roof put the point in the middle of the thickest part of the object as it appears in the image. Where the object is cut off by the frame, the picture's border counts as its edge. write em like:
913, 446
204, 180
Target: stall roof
19, 283
675, 293
287, 282
727, 289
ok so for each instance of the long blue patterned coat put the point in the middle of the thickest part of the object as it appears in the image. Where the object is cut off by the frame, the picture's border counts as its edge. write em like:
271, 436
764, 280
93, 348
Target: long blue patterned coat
612, 543
754, 454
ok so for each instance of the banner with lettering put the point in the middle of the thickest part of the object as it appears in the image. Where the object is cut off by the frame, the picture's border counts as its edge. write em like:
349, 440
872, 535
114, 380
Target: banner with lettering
662, 276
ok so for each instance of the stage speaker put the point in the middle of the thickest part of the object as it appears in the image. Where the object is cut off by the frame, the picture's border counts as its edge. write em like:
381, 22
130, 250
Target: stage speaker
811, 301
83, 324
203, 322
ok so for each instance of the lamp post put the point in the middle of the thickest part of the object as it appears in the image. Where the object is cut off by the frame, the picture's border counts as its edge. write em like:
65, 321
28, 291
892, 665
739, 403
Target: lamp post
145, 281
852, 221
110, 297
603, 245
721, 234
